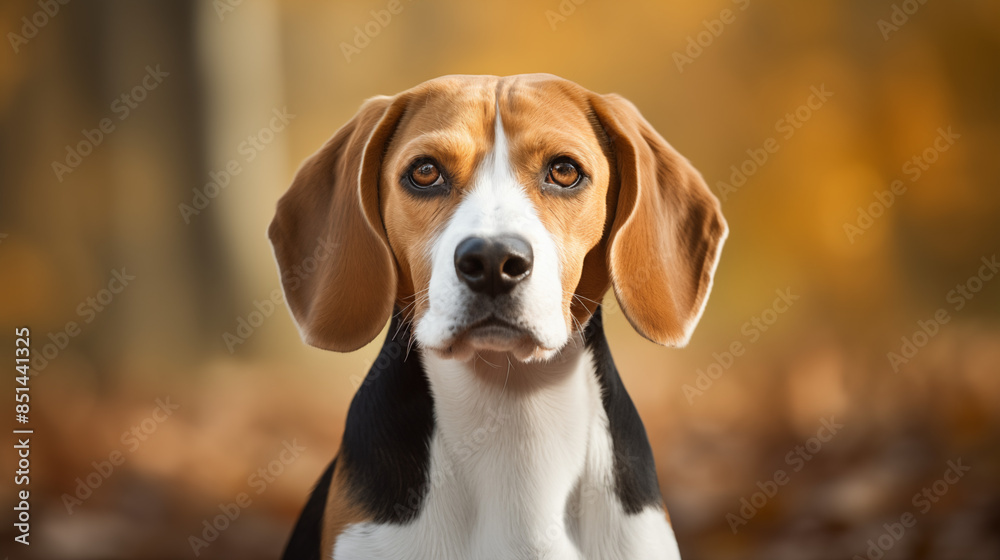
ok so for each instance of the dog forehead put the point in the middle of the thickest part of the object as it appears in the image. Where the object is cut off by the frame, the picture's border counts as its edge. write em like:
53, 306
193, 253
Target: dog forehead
544, 105
460, 105
461, 109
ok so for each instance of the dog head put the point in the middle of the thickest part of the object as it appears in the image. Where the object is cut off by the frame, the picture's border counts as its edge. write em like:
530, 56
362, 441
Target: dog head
495, 213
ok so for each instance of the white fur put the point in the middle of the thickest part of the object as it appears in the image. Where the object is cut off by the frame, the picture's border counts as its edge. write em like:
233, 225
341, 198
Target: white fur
517, 476
497, 204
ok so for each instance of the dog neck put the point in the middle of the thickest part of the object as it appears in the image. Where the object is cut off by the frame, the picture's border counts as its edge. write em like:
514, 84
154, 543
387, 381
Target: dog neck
514, 436
510, 440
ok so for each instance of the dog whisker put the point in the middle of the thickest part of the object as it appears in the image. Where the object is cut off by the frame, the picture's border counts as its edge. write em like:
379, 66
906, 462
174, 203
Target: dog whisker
492, 365
581, 298
507, 377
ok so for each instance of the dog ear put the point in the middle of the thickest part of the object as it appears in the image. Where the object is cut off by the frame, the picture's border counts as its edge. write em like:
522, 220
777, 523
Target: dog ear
667, 231
337, 270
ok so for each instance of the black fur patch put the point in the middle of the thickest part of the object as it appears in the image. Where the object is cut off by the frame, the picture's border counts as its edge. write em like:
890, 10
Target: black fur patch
386, 447
635, 470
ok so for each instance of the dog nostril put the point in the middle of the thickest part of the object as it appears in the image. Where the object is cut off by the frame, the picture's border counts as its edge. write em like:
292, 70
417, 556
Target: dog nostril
471, 266
516, 266
471, 259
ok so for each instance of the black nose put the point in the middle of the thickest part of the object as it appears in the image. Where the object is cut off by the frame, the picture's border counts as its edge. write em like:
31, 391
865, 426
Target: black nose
493, 265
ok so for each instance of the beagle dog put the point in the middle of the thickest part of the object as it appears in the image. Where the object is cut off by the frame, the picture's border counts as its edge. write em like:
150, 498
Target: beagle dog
485, 218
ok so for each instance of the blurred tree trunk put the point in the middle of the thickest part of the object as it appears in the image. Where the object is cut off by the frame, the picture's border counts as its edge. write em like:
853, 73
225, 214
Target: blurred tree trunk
118, 208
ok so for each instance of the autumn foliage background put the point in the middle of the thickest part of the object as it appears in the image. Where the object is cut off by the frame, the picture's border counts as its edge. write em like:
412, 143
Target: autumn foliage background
819, 107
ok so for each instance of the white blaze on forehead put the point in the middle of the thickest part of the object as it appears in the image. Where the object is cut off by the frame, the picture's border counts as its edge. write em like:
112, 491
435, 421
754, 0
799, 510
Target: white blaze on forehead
496, 204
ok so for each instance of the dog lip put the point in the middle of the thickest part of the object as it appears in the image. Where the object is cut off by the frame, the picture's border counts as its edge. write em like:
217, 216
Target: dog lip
492, 330
493, 321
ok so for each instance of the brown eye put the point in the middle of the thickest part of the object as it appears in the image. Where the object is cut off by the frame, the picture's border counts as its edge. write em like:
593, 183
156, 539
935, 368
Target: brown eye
563, 172
425, 174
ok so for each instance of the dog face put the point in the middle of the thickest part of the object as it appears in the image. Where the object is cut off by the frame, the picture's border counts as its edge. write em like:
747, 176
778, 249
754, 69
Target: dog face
494, 213
491, 252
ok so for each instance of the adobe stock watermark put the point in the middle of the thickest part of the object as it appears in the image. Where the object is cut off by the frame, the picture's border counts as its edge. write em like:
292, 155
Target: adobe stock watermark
246, 326
365, 33
122, 107
132, 439
258, 481
898, 16
914, 169
552, 541
958, 297
562, 12
697, 43
796, 459
787, 126
225, 7
31, 25
87, 310
402, 337
752, 330
264, 308
249, 149
390, 352
923, 501
457, 453
459, 449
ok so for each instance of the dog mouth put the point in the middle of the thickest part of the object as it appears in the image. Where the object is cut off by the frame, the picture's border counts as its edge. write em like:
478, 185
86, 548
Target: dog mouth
493, 333
492, 327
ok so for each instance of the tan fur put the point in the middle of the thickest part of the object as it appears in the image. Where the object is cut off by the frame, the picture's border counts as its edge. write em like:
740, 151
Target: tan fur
340, 510
668, 228
345, 302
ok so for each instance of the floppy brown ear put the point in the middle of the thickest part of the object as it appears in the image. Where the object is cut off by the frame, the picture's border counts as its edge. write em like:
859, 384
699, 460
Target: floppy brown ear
667, 232
337, 271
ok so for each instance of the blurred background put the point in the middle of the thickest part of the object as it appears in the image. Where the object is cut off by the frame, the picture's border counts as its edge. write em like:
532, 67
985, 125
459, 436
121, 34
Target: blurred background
852, 341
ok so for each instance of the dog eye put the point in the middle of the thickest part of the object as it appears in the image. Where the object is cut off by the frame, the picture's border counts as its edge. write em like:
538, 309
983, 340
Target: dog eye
563, 172
425, 174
